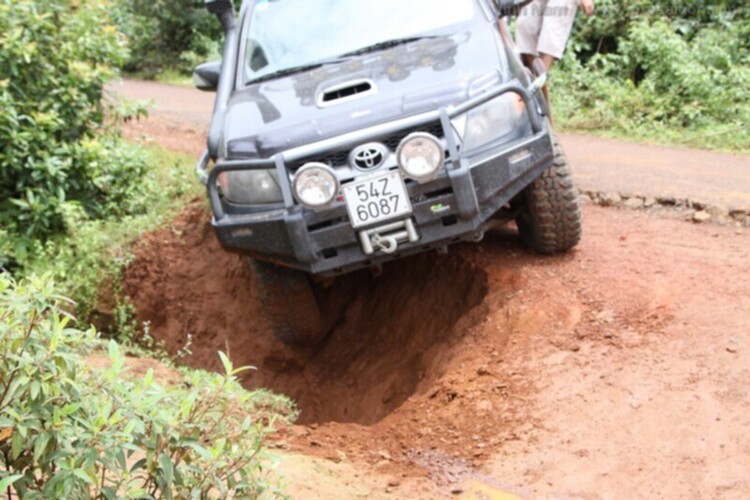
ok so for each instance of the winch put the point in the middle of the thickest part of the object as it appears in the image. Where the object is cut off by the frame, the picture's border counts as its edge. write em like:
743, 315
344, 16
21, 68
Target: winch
386, 238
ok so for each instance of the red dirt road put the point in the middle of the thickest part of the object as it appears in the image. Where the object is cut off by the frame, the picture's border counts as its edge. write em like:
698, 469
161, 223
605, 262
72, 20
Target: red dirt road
620, 370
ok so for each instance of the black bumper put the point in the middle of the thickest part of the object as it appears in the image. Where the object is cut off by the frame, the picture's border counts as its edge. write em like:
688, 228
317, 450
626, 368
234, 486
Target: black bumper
453, 208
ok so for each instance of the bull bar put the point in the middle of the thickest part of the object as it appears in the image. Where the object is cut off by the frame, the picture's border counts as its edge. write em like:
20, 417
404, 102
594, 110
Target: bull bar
299, 251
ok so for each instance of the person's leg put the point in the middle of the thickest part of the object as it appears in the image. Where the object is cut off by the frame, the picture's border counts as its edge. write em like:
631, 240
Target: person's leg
528, 61
547, 60
528, 27
556, 27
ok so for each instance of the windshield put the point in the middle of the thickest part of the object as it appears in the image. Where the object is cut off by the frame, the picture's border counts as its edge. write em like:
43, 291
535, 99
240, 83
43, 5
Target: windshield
286, 34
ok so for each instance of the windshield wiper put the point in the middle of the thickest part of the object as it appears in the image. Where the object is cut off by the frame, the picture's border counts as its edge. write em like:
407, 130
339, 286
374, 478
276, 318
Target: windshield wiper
386, 45
285, 72
297, 69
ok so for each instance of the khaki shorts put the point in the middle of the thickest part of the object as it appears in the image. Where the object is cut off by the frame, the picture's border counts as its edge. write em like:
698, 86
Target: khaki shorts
544, 26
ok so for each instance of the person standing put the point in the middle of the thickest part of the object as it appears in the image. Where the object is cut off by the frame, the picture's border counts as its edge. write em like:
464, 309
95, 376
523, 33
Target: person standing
544, 26
543, 29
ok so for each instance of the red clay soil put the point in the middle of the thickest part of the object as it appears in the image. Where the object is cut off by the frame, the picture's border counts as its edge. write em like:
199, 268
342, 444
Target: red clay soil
400, 333
386, 345
618, 370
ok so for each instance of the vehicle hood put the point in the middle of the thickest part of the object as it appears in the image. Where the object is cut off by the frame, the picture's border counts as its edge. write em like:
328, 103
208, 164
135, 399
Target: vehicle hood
408, 79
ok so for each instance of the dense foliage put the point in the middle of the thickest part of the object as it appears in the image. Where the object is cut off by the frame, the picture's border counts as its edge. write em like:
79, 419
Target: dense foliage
177, 34
87, 261
72, 194
59, 163
646, 66
71, 431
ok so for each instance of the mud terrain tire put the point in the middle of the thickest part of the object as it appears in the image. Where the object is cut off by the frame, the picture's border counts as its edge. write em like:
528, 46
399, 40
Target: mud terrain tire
550, 217
289, 303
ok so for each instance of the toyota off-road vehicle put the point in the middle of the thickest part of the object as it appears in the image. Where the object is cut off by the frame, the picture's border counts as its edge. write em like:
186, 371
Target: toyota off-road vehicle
349, 133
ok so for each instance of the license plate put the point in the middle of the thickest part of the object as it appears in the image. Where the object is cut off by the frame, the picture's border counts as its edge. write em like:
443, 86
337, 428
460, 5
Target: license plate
376, 199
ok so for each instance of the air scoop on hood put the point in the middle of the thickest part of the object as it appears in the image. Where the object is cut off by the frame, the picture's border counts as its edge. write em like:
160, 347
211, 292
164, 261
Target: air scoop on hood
345, 91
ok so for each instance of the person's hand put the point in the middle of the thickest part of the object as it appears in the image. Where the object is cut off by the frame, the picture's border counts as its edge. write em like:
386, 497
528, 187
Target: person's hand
587, 6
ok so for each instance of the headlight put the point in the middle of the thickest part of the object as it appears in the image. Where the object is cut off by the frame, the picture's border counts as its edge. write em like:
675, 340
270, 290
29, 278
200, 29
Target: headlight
251, 186
420, 156
315, 185
490, 121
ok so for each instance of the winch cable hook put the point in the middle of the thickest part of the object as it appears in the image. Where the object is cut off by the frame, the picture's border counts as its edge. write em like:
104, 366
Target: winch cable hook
386, 244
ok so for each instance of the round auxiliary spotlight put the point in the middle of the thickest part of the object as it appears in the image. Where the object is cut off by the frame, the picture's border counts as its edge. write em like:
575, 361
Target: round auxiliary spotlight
420, 156
315, 185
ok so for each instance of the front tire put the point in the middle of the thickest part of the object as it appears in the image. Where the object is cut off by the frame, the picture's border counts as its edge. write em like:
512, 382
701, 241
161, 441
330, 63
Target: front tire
550, 215
289, 304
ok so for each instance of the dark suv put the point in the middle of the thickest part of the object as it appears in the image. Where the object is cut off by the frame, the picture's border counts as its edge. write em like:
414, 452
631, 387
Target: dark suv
347, 133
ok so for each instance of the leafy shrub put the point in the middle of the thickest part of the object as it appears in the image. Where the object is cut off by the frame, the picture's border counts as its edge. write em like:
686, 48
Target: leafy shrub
653, 66
88, 260
166, 34
71, 431
57, 155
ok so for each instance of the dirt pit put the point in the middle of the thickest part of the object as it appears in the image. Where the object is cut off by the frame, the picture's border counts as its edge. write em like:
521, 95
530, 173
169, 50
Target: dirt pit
497, 364
622, 367
392, 340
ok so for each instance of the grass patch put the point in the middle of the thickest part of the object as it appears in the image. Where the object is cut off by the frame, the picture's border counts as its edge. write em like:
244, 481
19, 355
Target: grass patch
174, 77
725, 138
169, 76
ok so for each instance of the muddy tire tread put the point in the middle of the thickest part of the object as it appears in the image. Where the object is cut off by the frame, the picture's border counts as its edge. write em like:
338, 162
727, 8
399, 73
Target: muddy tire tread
550, 221
289, 304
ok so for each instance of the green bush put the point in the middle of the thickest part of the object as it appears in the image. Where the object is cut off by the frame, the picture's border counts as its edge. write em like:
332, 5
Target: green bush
57, 155
164, 34
71, 431
87, 261
643, 68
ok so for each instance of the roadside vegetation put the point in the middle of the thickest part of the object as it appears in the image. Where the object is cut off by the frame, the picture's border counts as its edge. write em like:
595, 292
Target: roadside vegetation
167, 36
74, 196
68, 430
87, 259
62, 161
73, 193
671, 71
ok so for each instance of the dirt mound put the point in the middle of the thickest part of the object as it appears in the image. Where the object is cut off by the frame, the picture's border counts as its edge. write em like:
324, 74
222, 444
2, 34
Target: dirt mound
392, 341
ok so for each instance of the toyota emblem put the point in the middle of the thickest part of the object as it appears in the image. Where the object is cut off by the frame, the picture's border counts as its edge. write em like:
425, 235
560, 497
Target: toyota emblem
368, 156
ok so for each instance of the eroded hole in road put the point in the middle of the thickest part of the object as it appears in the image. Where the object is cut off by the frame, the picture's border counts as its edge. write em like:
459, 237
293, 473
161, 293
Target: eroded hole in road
394, 334
393, 339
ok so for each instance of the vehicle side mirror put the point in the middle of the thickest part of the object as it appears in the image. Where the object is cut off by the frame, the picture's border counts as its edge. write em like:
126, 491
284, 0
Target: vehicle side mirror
510, 7
206, 76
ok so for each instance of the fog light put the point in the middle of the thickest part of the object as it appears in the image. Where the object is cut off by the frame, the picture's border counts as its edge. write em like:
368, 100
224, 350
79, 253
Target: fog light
420, 156
315, 185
